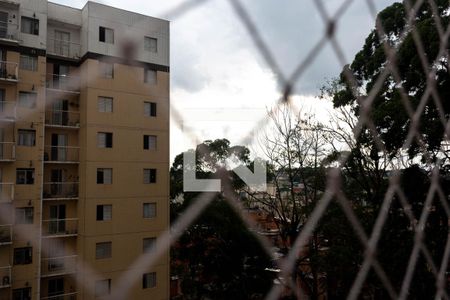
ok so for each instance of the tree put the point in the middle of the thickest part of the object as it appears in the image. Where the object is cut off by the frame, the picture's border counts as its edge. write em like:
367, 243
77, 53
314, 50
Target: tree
294, 147
391, 119
216, 257
367, 167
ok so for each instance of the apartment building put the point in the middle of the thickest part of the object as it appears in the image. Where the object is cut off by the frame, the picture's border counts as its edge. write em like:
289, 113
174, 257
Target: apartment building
84, 150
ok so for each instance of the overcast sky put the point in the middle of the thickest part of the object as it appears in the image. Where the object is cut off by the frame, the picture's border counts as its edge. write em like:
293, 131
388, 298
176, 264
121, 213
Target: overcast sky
220, 83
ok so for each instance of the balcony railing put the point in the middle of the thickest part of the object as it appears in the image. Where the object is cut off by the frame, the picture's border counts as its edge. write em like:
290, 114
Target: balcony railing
55, 266
9, 32
9, 71
64, 48
5, 234
60, 227
62, 118
5, 277
7, 151
68, 296
60, 190
6, 192
63, 83
62, 154
8, 111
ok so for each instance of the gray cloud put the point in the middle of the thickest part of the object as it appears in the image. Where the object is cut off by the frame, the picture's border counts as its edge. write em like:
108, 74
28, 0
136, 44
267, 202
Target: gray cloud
289, 27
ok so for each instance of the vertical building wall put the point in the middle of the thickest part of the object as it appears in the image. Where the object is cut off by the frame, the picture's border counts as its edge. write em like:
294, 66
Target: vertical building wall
66, 156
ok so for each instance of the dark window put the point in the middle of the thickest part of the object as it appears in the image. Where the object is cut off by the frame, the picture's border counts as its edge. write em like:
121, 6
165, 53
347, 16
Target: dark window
22, 294
149, 210
27, 137
28, 63
150, 109
56, 287
24, 215
104, 139
104, 212
23, 256
105, 104
150, 76
103, 250
149, 245
104, 176
106, 35
149, 176
102, 287
30, 25
150, 142
106, 70
25, 176
149, 280
150, 44
27, 99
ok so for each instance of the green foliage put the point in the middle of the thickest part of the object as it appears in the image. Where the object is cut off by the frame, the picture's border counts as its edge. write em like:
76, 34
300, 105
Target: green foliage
216, 257
387, 111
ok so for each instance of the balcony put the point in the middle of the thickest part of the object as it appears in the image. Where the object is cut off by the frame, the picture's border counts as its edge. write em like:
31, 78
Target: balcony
8, 111
62, 154
5, 277
59, 228
58, 266
5, 235
64, 49
7, 151
63, 83
68, 296
62, 118
9, 72
60, 191
9, 33
6, 192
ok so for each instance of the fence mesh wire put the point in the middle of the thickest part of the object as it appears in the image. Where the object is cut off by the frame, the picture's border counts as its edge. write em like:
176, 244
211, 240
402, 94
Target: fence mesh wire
334, 191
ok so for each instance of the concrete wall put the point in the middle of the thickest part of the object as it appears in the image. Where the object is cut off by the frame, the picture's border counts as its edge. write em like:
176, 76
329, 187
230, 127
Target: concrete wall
34, 9
128, 28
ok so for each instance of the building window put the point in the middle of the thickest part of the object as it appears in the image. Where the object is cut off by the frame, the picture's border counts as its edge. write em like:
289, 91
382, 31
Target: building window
23, 256
106, 35
104, 139
106, 70
149, 245
25, 176
104, 212
27, 99
150, 76
150, 44
149, 280
30, 25
103, 250
24, 215
27, 137
104, 176
150, 109
105, 104
149, 210
102, 287
56, 287
28, 63
150, 142
22, 294
149, 176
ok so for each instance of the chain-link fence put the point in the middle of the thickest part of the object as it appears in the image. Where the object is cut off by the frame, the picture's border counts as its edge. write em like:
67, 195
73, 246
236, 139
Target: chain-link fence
366, 85
404, 61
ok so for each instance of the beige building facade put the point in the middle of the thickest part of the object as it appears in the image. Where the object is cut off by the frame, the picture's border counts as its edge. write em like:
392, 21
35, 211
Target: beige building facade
84, 150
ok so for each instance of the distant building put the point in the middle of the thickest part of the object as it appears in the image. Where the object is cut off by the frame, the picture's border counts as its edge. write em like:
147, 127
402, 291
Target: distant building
84, 150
